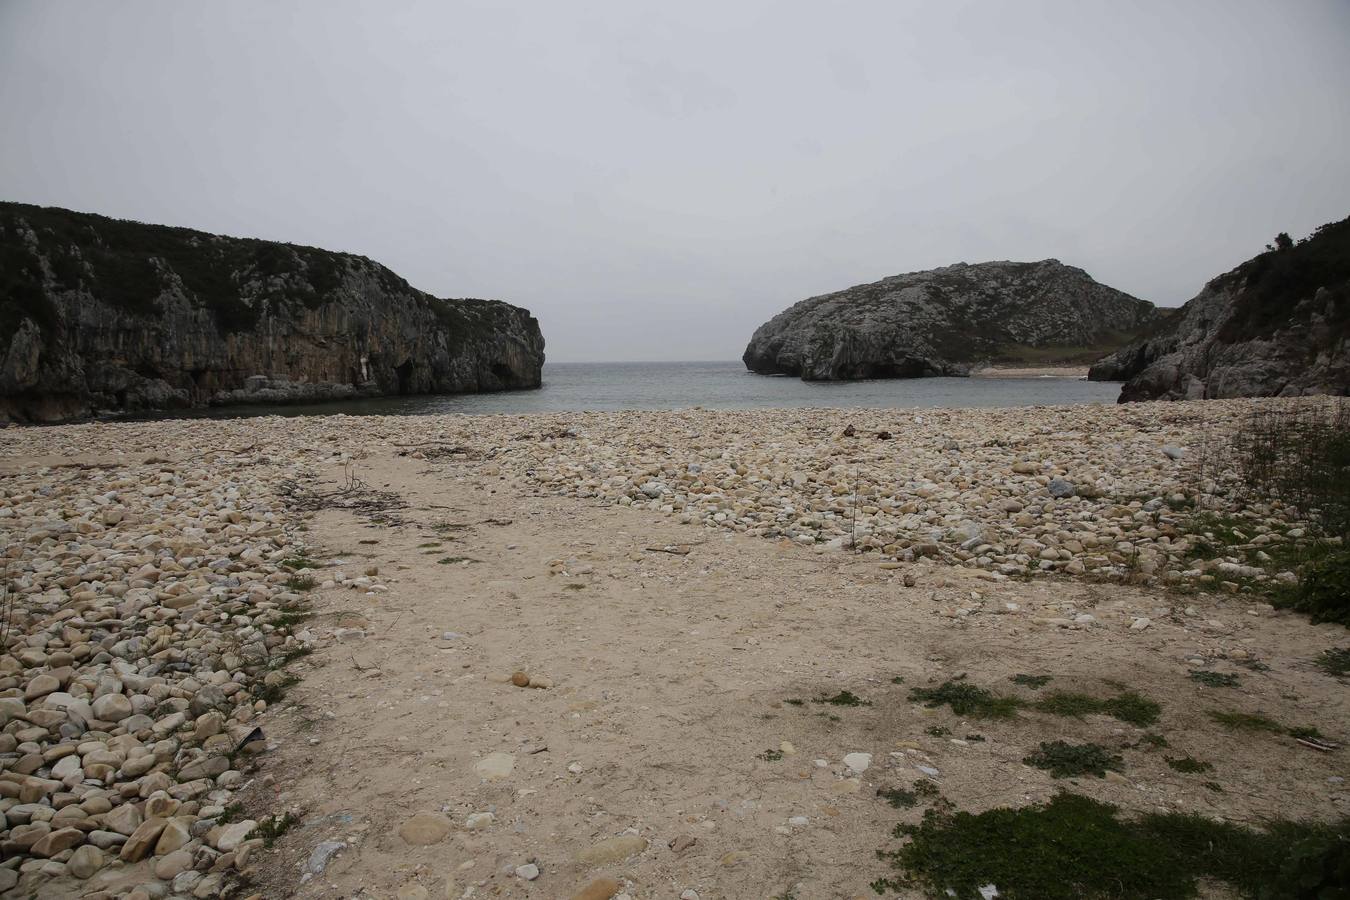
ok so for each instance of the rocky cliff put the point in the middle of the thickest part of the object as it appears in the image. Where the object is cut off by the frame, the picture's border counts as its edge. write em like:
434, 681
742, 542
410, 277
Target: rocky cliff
1277, 325
102, 315
944, 321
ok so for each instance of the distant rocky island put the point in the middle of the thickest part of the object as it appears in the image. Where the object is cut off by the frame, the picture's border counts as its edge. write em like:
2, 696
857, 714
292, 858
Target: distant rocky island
100, 315
947, 321
1276, 326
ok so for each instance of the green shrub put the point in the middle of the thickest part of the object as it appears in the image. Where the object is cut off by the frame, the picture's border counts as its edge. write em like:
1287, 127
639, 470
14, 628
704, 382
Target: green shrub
967, 700
1127, 707
1214, 679
1323, 591
1077, 848
1064, 760
1188, 764
1035, 682
1335, 661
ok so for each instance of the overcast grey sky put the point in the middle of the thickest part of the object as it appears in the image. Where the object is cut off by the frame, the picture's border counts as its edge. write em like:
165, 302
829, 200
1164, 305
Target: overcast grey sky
654, 180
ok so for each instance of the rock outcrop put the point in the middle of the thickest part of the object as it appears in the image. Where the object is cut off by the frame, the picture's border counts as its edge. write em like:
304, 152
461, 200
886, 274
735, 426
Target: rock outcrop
945, 321
100, 315
1276, 326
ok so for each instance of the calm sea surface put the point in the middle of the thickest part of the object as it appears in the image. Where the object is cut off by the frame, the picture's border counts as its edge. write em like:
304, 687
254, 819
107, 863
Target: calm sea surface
570, 387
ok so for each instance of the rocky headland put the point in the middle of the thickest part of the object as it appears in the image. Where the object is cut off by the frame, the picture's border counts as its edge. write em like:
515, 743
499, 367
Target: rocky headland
947, 321
1276, 326
100, 315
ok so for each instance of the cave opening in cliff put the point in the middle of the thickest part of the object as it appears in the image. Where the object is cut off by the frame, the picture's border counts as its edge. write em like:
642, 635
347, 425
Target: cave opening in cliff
404, 373
503, 372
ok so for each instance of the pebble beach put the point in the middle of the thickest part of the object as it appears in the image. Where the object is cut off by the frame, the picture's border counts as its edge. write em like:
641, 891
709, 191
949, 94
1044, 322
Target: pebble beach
162, 575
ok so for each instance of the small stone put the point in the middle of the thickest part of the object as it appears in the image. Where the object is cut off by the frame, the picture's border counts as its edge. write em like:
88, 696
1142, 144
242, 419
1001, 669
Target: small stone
142, 840
682, 842
495, 766
612, 850
529, 871
124, 819
86, 861
599, 889
322, 855
169, 866
234, 834
41, 686
112, 707
1140, 623
57, 841
520, 679
175, 834
857, 763
424, 829
1060, 488
478, 821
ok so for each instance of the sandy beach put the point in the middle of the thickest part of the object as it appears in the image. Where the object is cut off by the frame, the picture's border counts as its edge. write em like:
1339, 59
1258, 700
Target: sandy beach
1031, 372
321, 618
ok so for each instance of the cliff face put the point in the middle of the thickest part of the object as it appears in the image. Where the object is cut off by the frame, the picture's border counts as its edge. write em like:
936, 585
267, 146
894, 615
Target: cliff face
102, 315
1277, 325
944, 321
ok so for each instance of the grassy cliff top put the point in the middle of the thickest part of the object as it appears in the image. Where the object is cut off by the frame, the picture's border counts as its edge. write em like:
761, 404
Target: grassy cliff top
129, 265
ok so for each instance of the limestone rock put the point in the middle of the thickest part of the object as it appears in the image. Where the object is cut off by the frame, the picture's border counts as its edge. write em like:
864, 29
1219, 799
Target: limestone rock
232, 835
112, 707
142, 840
86, 861
210, 319
1274, 326
944, 322
57, 841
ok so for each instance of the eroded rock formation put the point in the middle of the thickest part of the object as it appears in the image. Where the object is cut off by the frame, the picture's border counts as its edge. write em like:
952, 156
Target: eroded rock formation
1277, 325
944, 321
101, 315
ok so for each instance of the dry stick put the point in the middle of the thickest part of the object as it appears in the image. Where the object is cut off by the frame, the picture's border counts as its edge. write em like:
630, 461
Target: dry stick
853, 527
6, 610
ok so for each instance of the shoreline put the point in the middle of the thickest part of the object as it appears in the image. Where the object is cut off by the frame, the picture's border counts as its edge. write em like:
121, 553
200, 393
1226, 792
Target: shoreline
1075, 372
675, 588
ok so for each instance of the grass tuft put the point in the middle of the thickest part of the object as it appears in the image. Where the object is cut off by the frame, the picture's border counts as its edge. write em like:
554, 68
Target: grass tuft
967, 700
844, 698
1127, 707
1189, 765
1035, 682
1077, 848
272, 828
1214, 679
1065, 760
1335, 661
1240, 721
